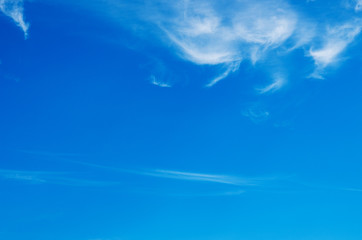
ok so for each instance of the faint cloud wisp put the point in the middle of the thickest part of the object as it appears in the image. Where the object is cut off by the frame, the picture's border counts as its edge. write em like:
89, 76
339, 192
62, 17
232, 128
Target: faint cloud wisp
14, 9
155, 81
274, 86
202, 177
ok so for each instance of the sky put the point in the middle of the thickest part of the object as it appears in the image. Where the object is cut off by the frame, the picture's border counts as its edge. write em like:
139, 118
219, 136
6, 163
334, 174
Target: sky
181, 120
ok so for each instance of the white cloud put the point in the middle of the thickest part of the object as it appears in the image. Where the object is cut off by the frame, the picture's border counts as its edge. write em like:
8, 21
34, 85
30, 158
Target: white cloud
335, 42
232, 67
225, 179
210, 33
223, 34
274, 86
14, 9
206, 33
232, 180
157, 82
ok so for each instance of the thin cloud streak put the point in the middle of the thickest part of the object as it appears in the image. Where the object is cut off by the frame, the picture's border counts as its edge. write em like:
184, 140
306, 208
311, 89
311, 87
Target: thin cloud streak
44, 177
170, 174
274, 86
211, 194
265, 184
28, 176
202, 177
233, 67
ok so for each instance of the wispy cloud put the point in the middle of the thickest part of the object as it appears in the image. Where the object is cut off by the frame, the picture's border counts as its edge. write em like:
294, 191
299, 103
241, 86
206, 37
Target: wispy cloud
205, 33
233, 185
223, 179
256, 113
164, 173
274, 86
202, 177
232, 67
335, 42
15, 10
161, 75
158, 82
219, 35
28, 176
47, 177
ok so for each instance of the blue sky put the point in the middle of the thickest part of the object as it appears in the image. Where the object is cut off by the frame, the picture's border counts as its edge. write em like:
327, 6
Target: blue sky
197, 120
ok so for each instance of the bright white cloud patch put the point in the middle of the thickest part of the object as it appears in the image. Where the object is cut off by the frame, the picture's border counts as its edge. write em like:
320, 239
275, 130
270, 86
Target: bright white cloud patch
213, 33
14, 9
225, 34
335, 42
207, 33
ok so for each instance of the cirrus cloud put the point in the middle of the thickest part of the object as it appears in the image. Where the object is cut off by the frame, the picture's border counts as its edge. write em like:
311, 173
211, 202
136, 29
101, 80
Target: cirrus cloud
224, 35
15, 10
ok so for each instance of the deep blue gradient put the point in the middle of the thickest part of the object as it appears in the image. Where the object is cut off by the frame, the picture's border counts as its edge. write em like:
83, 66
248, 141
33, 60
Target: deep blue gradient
81, 126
